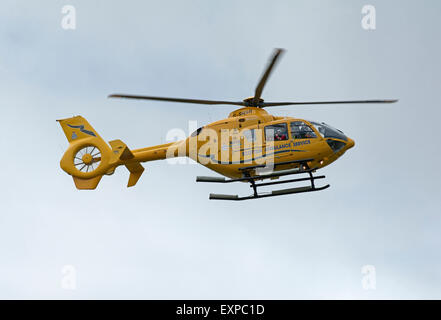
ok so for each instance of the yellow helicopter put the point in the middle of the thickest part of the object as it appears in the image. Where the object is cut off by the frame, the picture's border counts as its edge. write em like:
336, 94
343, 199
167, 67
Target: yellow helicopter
249, 146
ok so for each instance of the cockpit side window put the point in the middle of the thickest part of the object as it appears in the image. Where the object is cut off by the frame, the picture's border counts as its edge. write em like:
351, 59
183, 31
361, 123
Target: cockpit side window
300, 130
276, 132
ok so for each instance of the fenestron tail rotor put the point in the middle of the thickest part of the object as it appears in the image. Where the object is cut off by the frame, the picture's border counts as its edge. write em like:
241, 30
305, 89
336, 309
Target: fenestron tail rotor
87, 159
256, 100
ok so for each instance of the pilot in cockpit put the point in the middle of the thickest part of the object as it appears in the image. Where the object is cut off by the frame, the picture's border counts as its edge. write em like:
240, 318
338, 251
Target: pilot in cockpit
279, 135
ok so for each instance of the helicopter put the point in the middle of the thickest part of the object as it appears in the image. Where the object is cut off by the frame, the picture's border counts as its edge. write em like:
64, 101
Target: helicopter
249, 146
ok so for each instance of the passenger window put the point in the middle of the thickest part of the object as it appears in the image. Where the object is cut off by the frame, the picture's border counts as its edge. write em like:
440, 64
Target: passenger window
276, 132
300, 130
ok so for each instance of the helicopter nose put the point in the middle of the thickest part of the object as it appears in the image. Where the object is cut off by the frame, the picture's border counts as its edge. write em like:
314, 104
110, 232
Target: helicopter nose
350, 143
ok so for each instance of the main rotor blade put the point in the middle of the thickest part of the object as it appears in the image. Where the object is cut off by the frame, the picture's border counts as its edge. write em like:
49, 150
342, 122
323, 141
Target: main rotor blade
198, 101
275, 104
265, 76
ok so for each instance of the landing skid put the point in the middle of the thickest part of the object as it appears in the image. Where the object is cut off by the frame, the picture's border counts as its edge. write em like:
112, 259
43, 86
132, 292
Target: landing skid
252, 180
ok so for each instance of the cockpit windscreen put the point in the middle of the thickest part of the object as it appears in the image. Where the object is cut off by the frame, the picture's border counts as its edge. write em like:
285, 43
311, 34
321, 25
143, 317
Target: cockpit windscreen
329, 132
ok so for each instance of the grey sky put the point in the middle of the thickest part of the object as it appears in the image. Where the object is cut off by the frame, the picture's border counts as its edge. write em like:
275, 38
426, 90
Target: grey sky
164, 238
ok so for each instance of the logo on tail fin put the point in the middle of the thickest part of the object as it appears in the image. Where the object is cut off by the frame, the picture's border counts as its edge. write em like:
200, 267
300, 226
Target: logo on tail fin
81, 127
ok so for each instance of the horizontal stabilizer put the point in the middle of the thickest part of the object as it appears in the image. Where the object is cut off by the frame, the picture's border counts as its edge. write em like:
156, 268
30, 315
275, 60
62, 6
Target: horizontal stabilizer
123, 153
121, 150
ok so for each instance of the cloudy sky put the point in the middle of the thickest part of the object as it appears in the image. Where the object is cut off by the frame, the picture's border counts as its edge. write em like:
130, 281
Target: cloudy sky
164, 238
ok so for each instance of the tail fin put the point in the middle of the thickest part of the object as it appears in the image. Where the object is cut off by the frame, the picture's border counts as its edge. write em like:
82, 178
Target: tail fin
89, 157
77, 128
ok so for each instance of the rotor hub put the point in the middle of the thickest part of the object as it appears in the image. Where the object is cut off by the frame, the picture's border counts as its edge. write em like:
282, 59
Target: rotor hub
249, 102
87, 158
